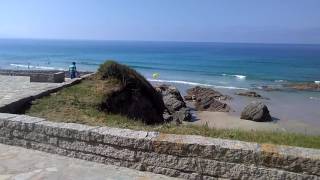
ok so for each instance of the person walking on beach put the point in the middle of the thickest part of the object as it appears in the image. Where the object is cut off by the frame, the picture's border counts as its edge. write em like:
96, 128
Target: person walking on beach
73, 70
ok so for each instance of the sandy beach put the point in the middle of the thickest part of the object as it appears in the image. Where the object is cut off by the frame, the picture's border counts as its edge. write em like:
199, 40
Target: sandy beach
223, 120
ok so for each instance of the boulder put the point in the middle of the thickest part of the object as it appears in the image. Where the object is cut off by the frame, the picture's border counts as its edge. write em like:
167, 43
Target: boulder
256, 111
176, 108
207, 103
183, 114
207, 99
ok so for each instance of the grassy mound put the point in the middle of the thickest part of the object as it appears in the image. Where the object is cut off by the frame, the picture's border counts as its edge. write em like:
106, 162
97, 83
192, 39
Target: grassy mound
134, 96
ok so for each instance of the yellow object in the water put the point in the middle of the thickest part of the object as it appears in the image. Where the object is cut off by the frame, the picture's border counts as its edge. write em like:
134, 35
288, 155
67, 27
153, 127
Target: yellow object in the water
155, 75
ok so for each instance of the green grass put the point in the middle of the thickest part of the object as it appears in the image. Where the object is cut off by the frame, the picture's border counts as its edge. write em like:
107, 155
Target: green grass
80, 104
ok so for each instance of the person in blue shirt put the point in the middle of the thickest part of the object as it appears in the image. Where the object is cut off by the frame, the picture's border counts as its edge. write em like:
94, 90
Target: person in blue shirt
73, 70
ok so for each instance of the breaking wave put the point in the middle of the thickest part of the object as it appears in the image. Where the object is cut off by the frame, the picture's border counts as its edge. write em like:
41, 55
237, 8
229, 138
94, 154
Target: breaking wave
315, 98
238, 76
35, 67
195, 84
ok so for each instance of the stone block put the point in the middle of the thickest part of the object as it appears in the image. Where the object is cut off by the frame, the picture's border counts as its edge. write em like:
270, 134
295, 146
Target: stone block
66, 130
57, 77
121, 137
22, 122
99, 149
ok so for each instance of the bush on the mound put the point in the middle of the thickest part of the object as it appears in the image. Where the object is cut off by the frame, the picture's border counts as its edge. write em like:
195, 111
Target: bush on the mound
134, 96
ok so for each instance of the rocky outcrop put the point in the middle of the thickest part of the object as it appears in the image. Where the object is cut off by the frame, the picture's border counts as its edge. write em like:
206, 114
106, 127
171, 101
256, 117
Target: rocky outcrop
132, 95
249, 94
134, 105
207, 99
256, 111
176, 108
304, 86
198, 91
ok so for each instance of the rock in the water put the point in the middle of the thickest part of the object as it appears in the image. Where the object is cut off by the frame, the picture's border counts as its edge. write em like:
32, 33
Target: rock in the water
304, 86
256, 111
249, 94
207, 99
173, 101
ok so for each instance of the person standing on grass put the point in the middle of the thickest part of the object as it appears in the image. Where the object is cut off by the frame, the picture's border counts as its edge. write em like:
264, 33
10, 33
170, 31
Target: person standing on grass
73, 70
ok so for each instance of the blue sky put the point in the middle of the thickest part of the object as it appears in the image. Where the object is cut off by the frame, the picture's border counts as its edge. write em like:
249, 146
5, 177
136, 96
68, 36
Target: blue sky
267, 21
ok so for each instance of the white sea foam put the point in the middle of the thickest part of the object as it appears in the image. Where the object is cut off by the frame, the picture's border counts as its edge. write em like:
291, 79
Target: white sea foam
280, 81
195, 84
314, 98
317, 82
36, 67
238, 76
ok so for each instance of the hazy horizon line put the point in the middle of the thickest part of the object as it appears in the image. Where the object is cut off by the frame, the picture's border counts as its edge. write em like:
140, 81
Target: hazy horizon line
172, 41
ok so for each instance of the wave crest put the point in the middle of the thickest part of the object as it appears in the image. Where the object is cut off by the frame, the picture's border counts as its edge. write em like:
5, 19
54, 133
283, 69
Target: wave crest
238, 76
35, 67
196, 84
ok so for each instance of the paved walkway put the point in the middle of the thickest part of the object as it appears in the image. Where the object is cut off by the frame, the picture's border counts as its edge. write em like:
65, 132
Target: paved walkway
18, 163
15, 88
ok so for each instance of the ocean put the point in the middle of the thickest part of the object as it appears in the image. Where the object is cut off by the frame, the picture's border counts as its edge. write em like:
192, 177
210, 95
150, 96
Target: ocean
228, 67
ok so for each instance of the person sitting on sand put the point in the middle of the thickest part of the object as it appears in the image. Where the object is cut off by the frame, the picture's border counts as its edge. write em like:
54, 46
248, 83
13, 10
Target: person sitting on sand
73, 70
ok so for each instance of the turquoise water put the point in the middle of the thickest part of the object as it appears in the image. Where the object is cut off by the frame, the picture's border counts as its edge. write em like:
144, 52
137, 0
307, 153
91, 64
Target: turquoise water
227, 66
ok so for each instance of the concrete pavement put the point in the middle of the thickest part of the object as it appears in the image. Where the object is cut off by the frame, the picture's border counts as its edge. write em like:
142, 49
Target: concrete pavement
18, 163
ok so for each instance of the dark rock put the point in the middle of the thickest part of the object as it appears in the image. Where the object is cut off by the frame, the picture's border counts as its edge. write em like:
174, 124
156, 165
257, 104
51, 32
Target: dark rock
271, 88
167, 116
249, 94
211, 104
174, 103
304, 86
132, 96
256, 111
189, 98
207, 99
201, 91
182, 115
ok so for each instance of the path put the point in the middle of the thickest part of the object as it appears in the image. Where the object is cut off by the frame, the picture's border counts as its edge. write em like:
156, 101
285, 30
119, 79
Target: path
18, 163
15, 90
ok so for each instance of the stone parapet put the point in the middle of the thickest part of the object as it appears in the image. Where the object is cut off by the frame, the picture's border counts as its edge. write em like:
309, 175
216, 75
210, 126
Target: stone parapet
184, 156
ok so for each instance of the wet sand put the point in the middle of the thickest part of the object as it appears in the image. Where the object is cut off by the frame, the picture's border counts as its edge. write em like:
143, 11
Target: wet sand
222, 120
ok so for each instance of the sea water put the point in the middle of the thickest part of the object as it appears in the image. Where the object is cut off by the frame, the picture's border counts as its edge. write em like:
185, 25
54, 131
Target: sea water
228, 67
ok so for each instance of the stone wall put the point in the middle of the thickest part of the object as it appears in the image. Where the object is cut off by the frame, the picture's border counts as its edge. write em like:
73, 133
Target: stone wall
11, 72
57, 77
189, 157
